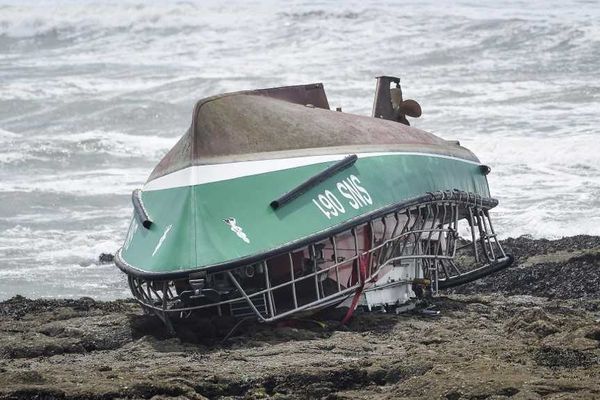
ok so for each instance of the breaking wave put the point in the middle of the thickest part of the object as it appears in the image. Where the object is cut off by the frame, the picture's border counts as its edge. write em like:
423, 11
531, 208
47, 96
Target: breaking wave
94, 93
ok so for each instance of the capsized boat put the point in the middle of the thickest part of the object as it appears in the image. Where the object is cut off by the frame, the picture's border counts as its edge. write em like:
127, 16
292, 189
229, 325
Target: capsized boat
272, 204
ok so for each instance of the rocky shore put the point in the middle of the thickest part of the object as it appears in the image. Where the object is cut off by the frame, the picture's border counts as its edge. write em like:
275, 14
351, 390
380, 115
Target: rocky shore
529, 332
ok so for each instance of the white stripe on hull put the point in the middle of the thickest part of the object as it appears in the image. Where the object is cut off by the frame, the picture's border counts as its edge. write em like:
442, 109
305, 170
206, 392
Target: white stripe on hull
200, 174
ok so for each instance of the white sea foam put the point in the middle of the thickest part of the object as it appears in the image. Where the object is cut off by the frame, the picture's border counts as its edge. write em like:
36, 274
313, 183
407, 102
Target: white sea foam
80, 144
93, 94
117, 144
573, 153
66, 19
87, 183
547, 186
4, 134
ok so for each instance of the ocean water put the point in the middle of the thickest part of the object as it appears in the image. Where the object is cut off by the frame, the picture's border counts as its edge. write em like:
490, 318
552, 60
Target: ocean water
92, 94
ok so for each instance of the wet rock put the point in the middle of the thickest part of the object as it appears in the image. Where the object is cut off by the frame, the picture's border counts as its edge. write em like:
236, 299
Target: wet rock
106, 258
594, 334
29, 377
493, 340
567, 268
534, 320
563, 358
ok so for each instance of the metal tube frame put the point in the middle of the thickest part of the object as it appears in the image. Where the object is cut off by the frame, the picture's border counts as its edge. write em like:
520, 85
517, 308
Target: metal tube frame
430, 234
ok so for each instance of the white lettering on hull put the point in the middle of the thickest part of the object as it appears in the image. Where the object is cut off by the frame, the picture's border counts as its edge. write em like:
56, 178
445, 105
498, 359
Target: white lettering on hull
351, 190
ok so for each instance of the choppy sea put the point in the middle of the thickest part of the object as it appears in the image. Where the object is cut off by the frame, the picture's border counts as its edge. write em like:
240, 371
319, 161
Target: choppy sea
92, 94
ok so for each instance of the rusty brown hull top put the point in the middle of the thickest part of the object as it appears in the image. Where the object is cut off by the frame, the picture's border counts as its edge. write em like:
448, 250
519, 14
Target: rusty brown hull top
292, 121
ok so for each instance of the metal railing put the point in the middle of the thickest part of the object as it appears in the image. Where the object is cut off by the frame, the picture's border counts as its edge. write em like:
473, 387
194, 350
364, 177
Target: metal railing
326, 272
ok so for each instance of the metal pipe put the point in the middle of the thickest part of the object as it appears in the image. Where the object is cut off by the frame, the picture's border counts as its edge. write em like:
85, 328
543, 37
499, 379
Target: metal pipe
243, 293
140, 210
313, 250
269, 292
335, 262
293, 280
314, 181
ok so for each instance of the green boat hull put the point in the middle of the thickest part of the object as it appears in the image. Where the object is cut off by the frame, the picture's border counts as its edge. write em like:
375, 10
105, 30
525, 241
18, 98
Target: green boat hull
210, 223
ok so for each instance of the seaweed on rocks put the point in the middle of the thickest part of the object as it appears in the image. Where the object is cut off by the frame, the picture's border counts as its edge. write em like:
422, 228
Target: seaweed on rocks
567, 268
493, 332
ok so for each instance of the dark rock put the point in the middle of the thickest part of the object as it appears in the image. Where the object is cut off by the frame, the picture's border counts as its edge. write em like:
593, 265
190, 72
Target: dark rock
566, 277
555, 357
106, 258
